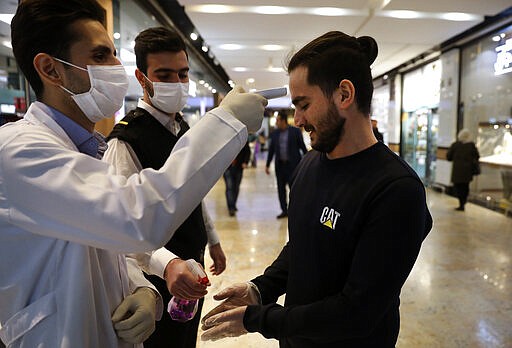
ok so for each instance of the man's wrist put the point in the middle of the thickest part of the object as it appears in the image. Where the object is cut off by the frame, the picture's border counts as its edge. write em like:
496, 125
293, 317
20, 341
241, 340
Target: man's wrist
168, 265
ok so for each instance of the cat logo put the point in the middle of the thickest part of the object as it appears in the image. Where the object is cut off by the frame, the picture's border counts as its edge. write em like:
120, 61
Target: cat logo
329, 217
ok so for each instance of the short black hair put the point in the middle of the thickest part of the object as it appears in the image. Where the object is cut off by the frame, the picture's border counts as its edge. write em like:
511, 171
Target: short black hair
283, 116
155, 40
44, 26
335, 56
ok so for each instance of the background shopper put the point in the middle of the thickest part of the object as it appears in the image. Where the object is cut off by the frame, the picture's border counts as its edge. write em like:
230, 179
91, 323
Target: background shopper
233, 178
464, 155
287, 144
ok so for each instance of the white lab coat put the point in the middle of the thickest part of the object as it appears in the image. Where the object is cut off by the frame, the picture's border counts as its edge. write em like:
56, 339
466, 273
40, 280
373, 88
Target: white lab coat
66, 220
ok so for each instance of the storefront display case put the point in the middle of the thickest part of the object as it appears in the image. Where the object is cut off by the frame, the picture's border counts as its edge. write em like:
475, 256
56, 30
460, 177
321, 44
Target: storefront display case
494, 143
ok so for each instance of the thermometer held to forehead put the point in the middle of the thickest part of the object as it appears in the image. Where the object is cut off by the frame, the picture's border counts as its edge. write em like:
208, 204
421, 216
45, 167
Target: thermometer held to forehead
273, 92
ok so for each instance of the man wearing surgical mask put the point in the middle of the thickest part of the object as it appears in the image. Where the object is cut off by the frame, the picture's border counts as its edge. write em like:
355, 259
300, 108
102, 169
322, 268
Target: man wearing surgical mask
66, 218
144, 138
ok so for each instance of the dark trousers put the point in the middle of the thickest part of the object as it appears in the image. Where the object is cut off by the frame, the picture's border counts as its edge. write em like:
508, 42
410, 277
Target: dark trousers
170, 333
462, 192
284, 173
232, 178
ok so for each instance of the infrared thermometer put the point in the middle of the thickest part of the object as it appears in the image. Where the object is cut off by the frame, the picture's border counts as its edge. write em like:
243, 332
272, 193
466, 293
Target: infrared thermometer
273, 92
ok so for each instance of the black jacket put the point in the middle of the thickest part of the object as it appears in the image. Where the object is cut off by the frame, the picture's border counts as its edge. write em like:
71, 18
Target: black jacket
463, 155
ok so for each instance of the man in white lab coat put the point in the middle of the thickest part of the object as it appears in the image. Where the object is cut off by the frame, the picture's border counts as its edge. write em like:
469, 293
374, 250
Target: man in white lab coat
65, 219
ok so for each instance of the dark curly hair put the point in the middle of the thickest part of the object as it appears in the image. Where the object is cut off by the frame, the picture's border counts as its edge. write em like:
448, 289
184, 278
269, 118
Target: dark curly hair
335, 56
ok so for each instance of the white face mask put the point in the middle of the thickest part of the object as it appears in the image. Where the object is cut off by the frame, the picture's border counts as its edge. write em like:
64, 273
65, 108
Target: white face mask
109, 84
169, 97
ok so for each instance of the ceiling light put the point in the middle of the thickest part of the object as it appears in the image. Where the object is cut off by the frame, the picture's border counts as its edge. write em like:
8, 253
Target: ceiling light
329, 11
214, 90
496, 38
275, 69
239, 68
250, 80
6, 17
117, 36
204, 48
271, 10
231, 47
272, 47
403, 14
211, 8
460, 17
206, 84
193, 36
201, 82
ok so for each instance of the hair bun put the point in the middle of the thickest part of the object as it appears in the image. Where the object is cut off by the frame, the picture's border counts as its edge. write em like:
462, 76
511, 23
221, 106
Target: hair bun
369, 47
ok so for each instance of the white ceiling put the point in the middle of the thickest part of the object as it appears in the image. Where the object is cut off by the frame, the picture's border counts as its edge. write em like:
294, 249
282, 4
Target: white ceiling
399, 40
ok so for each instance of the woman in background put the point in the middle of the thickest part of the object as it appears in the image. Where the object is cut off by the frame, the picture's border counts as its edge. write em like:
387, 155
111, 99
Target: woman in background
464, 155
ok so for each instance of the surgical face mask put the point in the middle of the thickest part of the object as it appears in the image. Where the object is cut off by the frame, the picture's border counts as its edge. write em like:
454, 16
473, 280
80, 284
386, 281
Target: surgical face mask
109, 85
169, 97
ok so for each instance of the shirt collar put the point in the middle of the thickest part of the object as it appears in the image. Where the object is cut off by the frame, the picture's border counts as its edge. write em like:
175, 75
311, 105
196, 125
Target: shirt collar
86, 142
159, 115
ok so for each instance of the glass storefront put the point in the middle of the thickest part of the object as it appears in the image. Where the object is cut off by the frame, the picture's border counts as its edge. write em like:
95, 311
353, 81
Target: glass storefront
420, 120
486, 98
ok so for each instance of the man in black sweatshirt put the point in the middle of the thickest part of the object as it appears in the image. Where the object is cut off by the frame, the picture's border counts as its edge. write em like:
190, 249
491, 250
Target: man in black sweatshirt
357, 218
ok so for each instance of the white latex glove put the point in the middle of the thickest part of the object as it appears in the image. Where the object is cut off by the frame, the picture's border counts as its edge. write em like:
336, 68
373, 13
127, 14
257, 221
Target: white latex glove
236, 295
225, 324
134, 318
248, 108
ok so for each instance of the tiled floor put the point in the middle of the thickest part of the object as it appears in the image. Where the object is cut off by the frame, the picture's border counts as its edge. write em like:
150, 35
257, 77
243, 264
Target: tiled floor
459, 293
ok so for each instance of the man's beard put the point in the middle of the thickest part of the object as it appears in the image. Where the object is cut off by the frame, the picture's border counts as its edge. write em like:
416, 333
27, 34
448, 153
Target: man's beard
328, 131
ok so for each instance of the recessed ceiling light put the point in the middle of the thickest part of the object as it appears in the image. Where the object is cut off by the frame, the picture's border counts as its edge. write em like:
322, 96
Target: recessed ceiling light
193, 36
403, 14
459, 16
272, 47
211, 8
231, 47
329, 11
275, 69
271, 9
240, 68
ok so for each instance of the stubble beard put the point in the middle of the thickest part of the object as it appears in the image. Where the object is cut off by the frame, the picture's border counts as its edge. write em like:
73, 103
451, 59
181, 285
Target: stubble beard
328, 131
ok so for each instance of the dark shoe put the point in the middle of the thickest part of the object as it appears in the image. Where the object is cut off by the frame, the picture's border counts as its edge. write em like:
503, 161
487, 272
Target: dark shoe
460, 209
282, 215
231, 213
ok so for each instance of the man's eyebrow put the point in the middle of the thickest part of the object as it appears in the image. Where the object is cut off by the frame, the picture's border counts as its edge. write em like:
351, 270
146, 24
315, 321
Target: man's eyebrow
164, 70
103, 49
297, 100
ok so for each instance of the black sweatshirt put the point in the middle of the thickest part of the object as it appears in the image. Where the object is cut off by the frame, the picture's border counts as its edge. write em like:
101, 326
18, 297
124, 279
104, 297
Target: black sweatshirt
356, 225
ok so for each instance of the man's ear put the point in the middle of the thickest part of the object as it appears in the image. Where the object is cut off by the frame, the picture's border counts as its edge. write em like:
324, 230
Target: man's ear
347, 93
143, 81
47, 69
140, 77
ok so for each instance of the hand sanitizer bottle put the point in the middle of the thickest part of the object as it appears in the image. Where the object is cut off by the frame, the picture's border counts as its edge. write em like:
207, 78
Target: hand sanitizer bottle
183, 310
